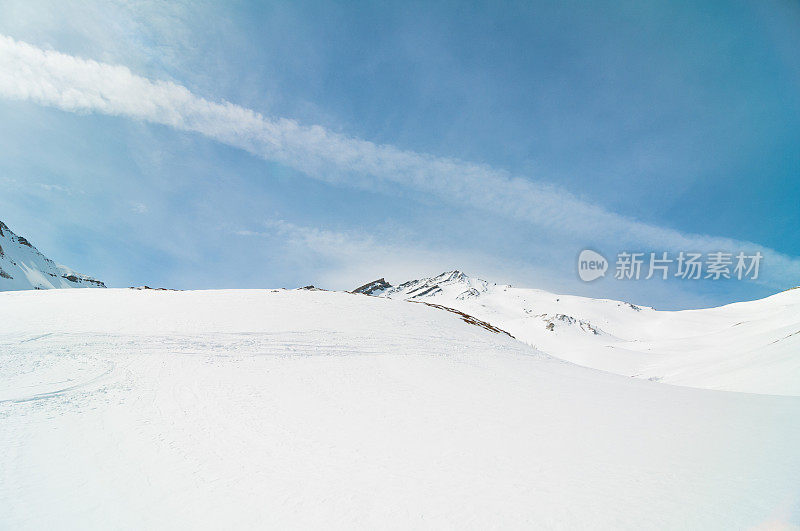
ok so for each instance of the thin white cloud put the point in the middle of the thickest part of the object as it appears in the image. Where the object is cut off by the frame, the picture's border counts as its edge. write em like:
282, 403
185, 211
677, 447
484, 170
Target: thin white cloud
47, 187
353, 257
345, 259
74, 84
138, 208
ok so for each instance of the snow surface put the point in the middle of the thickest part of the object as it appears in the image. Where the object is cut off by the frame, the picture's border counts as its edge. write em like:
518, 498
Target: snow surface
23, 267
132, 409
749, 346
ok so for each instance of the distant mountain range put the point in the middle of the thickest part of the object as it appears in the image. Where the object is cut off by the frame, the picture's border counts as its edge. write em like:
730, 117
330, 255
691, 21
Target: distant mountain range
23, 267
748, 346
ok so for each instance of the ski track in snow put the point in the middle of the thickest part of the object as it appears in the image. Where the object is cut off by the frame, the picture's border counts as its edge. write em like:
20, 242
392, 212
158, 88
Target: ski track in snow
261, 409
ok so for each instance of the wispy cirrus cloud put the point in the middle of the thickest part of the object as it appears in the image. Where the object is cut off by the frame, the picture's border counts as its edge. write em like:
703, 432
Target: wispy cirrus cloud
353, 257
79, 85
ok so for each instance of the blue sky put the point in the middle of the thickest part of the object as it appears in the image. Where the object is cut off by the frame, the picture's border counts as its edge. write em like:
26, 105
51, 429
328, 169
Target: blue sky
402, 139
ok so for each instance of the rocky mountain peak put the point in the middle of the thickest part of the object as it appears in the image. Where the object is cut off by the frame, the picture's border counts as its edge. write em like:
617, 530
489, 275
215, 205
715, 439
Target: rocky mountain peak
455, 283
375, 287
23, 267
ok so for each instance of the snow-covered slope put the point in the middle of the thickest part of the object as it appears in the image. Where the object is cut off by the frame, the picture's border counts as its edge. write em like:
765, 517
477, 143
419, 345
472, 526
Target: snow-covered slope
144, 409
750, 346
22, 266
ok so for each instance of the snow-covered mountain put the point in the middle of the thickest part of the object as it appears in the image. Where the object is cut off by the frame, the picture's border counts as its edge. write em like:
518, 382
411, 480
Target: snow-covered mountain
449, 285
308, 409
23, 267
749, 346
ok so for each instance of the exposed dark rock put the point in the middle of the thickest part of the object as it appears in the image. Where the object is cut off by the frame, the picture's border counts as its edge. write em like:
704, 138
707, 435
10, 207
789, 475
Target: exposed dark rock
83, 280
372, 287
38, 262
407, 284
432, 290
468, 318
449, 276
470, 293
561, 318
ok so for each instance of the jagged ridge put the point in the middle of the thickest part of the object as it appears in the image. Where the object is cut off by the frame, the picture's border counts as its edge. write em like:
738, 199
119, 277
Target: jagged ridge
23, 267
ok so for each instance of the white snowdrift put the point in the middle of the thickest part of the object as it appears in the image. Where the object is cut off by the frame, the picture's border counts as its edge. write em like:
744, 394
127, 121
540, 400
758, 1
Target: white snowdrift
750, 347
259, 409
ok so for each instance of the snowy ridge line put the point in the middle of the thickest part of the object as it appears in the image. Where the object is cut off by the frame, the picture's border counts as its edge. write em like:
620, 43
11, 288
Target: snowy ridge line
467, 318
23, 267
746, 347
